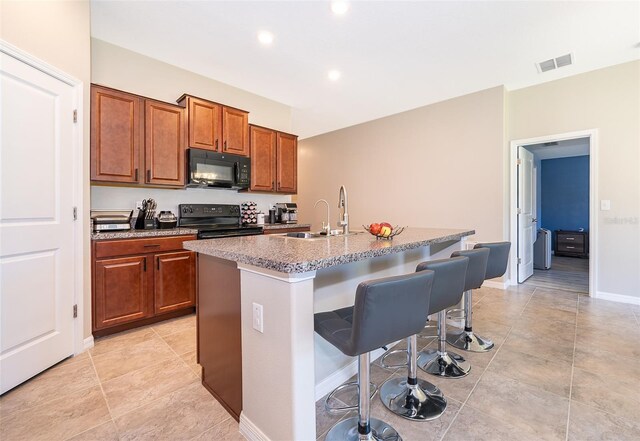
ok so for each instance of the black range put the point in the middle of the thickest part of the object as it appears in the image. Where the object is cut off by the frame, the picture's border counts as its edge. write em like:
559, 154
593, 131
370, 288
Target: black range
215, 220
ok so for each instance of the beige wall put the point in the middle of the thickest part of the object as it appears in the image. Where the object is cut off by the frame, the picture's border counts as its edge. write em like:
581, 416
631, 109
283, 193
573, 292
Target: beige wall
436, 166
607, 100
123, 69
58, 32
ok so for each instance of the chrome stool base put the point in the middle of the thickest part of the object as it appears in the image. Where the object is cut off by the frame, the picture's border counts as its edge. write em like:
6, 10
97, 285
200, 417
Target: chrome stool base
347, 430
468, 341
419, 402
352, 384
448, 364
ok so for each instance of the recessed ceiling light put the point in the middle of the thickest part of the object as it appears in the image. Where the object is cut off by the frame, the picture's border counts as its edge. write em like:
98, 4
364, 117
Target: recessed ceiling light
334, 75
265, 37
339, 7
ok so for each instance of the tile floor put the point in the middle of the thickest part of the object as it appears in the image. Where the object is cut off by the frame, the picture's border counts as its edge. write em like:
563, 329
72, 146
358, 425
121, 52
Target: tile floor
551, 376
142, 384
564, 368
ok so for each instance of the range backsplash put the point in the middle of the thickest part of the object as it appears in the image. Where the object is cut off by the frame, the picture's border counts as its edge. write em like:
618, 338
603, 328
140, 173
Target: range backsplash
105, 197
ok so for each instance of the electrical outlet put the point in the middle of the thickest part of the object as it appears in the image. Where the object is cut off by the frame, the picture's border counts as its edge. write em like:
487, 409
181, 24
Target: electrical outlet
258, 319
605, 205
139, 205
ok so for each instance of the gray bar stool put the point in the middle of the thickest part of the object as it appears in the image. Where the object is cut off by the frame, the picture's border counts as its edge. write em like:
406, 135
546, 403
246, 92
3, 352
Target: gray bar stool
465, 338
447, 290
498, 258
410, 397
385, 310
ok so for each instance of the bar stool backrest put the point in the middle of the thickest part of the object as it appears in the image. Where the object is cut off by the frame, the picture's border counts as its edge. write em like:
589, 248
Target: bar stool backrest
448, 284
477, 266
389, 309
498, 258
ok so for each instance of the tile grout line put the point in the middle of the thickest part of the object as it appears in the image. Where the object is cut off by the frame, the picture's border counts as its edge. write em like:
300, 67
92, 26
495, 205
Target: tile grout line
177, 355
573, 361
485, 370
104, 396
215, 425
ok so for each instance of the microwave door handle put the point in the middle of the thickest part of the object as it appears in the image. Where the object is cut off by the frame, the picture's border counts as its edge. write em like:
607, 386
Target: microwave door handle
237, 172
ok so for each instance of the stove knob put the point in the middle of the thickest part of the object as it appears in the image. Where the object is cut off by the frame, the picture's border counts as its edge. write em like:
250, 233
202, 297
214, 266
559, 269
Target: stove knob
190, 209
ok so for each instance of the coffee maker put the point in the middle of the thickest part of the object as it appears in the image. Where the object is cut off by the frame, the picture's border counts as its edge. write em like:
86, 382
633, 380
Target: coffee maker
287, 213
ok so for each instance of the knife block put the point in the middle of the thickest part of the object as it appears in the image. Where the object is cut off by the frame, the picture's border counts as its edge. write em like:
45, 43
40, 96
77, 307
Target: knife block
142, 223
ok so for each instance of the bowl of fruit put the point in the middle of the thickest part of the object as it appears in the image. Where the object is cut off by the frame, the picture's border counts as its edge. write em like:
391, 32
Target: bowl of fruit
383, 230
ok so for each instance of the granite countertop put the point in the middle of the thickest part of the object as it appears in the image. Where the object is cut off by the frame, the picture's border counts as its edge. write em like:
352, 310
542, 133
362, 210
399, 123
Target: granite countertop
284, 226
132, 234
292, 255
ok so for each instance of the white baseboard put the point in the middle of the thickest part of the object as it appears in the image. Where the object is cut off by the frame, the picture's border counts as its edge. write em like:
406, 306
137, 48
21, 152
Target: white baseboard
496, 284
88, 343
617, 297
340, 376
250, 431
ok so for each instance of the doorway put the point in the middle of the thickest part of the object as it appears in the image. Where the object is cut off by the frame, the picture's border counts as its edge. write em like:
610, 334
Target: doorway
553, 212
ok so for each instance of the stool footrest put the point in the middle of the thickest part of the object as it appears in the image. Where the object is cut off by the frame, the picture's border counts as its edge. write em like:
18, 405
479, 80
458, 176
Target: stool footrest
347, 406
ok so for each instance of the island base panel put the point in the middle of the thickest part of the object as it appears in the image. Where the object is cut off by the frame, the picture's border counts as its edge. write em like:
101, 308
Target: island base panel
219, 331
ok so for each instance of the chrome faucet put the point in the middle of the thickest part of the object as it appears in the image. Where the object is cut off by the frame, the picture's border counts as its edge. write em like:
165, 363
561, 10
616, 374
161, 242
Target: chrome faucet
325, 227
344, 217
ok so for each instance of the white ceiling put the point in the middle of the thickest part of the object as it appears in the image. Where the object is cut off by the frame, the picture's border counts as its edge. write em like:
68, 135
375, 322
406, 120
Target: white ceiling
394, 56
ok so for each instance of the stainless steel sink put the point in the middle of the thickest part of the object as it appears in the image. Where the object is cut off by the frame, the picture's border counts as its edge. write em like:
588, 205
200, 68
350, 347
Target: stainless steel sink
312, 236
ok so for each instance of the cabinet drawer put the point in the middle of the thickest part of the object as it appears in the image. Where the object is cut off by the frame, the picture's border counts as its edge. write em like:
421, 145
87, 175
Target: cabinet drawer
126, 247
571, 239
570, 247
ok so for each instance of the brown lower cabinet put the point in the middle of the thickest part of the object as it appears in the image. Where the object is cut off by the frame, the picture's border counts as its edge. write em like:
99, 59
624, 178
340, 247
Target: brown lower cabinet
138, 281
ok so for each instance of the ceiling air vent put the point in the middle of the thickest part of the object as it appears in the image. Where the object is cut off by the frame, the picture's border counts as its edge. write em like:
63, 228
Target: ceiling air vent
555, 63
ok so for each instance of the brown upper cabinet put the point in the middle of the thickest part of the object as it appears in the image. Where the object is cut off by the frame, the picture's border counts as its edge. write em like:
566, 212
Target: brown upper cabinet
164, 143
274, 160
117, 131
216, 127
287, 163
136, 140
263, 158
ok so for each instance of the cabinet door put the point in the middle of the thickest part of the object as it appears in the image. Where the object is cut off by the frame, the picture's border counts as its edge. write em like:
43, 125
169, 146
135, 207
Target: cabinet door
116, 135
164, 143
235, 131
287, 163
121, 291
175, 281
263, 159
205, 124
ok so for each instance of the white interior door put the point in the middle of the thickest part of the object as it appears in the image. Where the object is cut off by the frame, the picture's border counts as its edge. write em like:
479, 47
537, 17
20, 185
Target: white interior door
526, 215
36, 221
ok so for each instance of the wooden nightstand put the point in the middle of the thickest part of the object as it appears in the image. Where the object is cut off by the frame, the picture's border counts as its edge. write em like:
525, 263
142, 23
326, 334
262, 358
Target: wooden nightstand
572, 243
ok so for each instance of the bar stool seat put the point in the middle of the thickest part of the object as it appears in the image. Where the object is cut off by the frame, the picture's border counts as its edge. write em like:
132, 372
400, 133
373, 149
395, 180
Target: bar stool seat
410, 397
385, 310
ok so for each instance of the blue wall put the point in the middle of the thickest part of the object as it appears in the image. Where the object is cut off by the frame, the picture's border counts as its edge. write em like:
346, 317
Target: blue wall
565, 193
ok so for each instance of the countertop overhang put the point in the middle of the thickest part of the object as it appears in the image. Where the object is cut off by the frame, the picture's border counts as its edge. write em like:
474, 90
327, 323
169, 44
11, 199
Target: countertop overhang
292, 255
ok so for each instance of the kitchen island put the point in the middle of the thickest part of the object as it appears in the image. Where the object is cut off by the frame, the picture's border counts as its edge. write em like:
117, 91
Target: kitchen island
285, 367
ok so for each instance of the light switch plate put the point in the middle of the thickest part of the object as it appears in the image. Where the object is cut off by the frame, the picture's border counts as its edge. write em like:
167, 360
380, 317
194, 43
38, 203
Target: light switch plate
258, 319
605, 205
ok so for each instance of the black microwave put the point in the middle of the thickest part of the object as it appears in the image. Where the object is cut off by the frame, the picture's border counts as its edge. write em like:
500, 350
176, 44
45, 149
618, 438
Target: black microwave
219, 170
